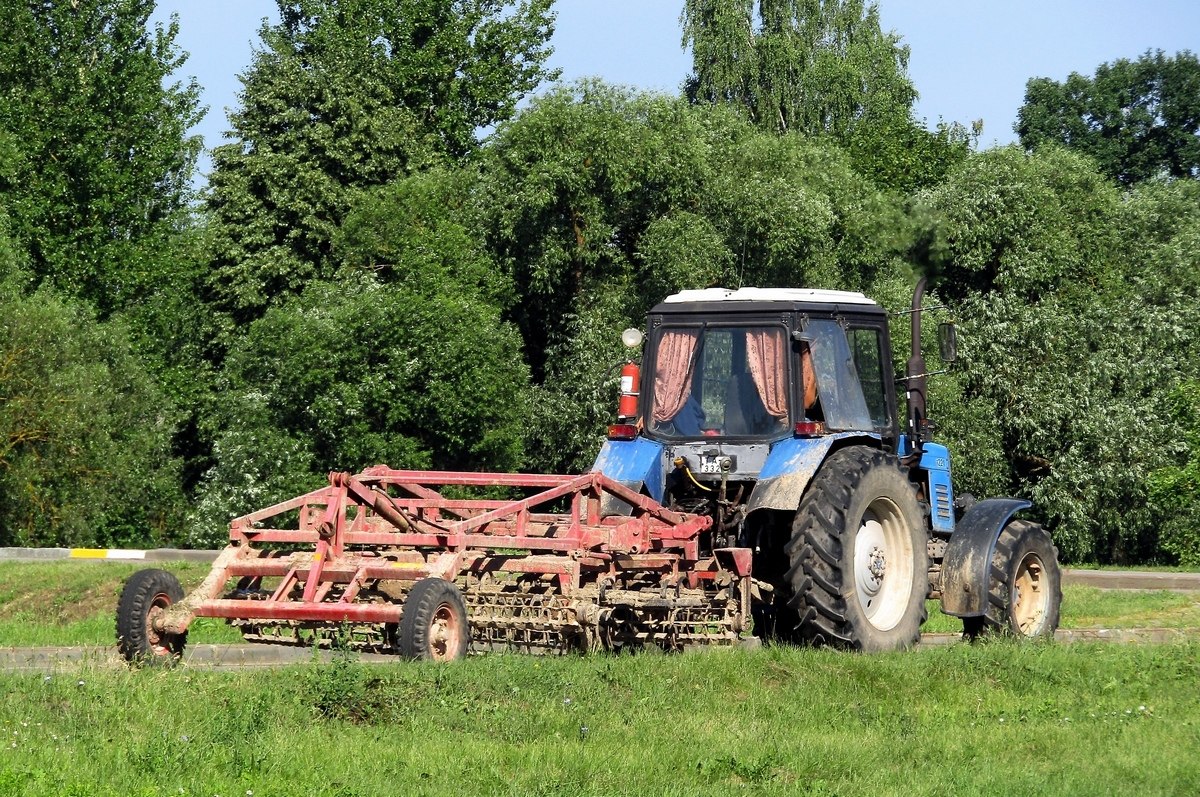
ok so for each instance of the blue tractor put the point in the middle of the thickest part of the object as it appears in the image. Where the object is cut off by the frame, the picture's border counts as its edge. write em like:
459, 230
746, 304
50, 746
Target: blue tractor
775, 413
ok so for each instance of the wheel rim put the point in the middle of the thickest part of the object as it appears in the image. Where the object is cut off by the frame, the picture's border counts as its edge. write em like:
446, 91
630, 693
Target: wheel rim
883, 564
158, 644
444, 634
1030, 599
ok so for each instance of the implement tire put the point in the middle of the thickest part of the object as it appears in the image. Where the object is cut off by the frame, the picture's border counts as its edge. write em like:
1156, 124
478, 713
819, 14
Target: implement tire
433, 626
858, 555
146, 594
1024, 586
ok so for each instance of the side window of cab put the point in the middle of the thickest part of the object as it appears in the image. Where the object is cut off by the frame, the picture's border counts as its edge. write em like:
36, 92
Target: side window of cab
866, 347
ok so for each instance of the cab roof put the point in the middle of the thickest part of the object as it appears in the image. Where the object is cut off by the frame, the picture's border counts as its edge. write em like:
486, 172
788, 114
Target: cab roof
745, 299
807, 295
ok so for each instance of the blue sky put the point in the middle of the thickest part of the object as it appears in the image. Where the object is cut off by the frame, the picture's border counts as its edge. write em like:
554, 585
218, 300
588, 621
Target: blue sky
970, 59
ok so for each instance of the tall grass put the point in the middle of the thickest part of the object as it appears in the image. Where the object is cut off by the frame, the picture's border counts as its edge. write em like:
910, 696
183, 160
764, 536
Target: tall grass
994, 718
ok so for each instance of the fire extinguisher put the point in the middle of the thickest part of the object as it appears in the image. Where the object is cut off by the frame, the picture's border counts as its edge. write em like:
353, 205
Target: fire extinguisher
631, 380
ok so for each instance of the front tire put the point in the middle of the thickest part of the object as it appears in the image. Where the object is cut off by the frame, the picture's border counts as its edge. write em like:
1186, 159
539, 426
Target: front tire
1024, 586
433, 626
858, 555
147, 594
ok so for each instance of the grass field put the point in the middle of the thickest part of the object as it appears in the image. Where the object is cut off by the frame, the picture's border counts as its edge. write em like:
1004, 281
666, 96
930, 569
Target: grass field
72, 603
994, 718
75, 603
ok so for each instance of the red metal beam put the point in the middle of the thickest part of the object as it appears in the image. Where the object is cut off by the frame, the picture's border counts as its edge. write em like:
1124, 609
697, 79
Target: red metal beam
297, 610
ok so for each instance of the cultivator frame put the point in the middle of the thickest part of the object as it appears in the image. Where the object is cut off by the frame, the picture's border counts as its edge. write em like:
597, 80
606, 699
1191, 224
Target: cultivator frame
544, 573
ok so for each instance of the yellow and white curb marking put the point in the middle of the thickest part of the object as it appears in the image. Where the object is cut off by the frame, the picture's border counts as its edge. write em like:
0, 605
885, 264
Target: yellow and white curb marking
104, 553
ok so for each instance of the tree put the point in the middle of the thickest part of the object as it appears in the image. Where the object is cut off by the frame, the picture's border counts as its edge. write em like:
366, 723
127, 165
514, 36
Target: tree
815, 66
346, 95
1176, 487
101, 175
821, 68
356, 373
1079, 308
1137, 119
84, 431
599, 202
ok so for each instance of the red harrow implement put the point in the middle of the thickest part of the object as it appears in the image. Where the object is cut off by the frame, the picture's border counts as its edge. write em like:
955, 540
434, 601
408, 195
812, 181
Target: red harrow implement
388, 562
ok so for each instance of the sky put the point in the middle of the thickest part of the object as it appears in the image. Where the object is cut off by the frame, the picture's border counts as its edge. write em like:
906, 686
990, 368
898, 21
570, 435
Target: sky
970, 59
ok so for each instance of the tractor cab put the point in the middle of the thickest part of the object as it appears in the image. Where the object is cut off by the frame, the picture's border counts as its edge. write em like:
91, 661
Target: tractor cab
720, 376
736, 381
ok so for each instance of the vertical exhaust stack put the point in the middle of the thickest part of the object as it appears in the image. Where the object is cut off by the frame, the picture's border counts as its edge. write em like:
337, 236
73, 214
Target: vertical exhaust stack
916, 376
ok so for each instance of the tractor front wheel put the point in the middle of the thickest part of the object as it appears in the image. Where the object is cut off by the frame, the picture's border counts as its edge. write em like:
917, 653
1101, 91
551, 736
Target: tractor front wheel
858, 555
434, 623
1024, 586
147, 594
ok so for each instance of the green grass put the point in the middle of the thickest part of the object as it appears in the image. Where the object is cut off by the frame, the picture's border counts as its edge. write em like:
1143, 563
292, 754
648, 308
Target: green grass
1151, 568
73, 603
996, 718
992, 718
1089, 607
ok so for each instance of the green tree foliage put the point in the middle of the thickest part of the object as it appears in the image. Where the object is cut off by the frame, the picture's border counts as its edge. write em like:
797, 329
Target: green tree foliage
84, 431
1071, 335
348, 95
357, 373
1137, 119
814, 66
102, 161
599, 202
1176, 487
821, 68
423, 231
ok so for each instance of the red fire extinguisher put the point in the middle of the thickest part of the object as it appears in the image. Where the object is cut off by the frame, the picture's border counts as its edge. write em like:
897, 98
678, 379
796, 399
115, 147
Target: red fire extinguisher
631, 380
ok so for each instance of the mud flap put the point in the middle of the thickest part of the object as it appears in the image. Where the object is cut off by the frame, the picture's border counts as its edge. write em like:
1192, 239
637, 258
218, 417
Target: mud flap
968, 560
789, 468
637, 464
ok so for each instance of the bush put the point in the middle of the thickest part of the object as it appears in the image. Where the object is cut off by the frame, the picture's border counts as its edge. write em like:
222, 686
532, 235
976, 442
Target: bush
84, 431
359, 373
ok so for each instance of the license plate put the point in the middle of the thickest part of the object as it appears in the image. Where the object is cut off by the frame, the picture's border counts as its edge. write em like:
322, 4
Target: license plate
710, 464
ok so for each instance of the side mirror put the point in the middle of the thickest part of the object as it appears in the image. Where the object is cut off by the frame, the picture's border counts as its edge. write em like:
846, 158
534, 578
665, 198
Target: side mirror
948, 341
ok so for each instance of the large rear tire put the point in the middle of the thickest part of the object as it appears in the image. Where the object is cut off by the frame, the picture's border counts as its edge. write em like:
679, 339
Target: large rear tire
859, 559
433, 625
1024, 586
147, 594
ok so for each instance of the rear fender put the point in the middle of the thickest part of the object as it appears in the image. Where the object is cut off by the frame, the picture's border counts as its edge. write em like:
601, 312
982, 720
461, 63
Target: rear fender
967, 564
789, 468
637, 464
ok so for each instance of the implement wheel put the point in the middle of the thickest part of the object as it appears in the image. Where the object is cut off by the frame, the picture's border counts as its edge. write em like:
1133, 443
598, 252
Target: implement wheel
434, 623
859, 561
147, 594
1024, 586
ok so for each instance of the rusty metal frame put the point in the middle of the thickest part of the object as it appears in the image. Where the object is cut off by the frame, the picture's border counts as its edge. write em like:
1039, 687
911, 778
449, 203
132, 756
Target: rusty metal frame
394, 525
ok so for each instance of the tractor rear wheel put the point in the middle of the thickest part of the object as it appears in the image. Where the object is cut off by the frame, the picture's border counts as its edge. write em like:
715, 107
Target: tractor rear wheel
859, 560
1024, 585
146, 595
433, 625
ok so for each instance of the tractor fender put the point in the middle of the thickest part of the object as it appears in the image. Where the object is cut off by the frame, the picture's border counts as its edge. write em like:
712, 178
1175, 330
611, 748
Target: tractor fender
637, 464
789, 468
967, 563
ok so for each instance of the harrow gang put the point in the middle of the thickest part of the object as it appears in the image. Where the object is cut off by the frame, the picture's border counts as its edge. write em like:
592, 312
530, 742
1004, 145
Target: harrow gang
545, 573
